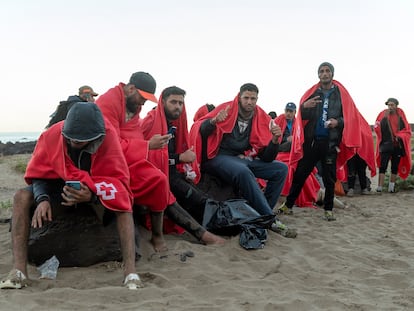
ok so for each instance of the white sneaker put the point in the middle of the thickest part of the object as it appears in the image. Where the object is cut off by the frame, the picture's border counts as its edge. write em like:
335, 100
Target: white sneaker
350, 192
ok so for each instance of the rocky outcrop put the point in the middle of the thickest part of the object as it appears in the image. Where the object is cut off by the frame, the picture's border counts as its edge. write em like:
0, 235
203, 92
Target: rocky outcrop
78, 239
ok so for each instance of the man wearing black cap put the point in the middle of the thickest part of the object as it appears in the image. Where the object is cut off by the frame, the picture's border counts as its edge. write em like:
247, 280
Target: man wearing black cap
319, 136
121, 105
81, 149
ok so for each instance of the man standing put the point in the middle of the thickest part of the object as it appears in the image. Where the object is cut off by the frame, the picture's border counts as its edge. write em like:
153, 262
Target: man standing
121, 105
319, 136
393, 143
82, 148
242, 144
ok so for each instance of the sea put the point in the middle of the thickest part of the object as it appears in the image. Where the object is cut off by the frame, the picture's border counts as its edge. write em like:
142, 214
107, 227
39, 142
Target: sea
21, 137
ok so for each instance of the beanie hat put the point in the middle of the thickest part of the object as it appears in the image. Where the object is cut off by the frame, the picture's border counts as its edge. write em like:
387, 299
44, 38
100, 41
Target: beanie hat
331, 67
84, 122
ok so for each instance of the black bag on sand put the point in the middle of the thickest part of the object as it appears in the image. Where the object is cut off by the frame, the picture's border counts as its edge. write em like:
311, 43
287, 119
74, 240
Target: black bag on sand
232, 217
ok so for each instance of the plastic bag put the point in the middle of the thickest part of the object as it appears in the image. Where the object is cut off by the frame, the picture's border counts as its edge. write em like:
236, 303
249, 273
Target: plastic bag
232, 217
48, 269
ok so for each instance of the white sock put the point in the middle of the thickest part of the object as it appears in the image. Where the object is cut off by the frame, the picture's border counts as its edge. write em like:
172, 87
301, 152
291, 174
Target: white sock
391, 186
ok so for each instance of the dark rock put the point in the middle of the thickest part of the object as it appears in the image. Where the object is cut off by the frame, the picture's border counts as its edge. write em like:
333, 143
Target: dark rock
77, 239
17, 148
216, 188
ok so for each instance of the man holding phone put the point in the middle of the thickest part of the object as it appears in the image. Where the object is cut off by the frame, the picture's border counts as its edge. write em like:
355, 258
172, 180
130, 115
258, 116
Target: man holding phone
86, 153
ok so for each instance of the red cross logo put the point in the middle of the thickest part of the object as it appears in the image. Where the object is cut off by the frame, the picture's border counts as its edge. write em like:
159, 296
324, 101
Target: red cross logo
105, 191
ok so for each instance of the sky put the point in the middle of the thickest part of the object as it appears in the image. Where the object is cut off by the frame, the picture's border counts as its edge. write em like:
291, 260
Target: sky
208, 48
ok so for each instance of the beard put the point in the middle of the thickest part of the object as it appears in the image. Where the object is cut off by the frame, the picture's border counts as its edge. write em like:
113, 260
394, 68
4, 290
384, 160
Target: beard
172, 116
132, 106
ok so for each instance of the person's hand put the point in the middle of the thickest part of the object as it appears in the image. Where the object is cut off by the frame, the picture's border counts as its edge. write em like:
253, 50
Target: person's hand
312, 102
42, 213
71, 196
332, 123
221, 116
289, 138
188, 156
159, 141
276, 132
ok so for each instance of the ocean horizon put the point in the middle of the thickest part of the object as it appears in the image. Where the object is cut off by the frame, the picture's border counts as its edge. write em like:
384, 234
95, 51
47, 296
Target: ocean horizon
20, 137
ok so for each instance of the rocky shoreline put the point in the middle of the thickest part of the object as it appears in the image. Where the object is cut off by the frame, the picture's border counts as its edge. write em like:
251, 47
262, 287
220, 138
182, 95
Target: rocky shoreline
10, 148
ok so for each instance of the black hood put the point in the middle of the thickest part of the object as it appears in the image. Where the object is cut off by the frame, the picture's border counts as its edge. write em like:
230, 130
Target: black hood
84, 122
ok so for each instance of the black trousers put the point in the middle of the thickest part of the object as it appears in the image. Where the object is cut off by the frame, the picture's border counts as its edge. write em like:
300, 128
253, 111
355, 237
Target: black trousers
192, 199
357, 166
317, 150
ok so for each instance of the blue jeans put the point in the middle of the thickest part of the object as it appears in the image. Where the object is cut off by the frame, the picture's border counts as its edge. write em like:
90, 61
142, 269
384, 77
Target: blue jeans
242, 173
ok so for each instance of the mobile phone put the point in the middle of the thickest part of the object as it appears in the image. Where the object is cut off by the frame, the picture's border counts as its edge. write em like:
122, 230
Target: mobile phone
75, 184
172, 130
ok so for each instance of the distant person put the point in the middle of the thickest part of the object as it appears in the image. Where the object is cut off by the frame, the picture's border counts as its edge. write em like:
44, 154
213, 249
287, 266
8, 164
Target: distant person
309, 192
319, 135
86, 94
272, 114
203, 110
364, 157
85, 149
393, 144
242, 144
121, 105
357, 166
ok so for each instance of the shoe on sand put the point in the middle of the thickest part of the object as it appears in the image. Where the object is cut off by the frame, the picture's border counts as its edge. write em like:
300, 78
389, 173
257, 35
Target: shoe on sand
350, 192
284, 210
283, 230
14, 280
365, 191
133, 282
329, 216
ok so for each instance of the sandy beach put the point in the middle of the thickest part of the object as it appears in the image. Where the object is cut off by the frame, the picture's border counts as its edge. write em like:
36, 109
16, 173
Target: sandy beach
362, 261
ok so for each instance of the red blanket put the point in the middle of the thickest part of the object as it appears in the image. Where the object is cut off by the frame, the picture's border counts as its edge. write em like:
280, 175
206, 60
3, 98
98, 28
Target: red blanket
109, 179
351, 139
404, 167
156, 123
259, 138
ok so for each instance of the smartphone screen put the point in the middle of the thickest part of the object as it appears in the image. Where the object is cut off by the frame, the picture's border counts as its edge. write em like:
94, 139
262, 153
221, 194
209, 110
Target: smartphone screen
75, 184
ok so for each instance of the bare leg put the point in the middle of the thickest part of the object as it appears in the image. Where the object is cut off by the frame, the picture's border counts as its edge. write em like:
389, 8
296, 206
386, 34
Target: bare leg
22, 202
125, 225
381, 178
182, 218
393, 177
157, 239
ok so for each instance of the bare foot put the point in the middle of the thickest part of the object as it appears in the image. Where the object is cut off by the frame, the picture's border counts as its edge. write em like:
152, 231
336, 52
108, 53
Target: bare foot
211, 239
159, 244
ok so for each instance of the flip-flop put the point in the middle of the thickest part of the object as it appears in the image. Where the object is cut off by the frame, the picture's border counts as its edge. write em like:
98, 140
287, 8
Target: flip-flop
14, 280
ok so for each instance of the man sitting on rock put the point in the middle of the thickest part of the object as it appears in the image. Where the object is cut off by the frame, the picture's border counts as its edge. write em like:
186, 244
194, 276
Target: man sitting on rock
82, 148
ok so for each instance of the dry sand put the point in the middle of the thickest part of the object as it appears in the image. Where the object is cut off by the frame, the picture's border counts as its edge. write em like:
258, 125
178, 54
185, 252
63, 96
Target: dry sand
362, 261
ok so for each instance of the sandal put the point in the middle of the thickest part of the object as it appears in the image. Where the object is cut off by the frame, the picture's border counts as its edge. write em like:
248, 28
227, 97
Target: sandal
14, 280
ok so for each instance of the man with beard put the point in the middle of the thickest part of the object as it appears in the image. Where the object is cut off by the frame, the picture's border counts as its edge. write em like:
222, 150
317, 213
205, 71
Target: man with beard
178, 162
319, 135
242, 143
121, 105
